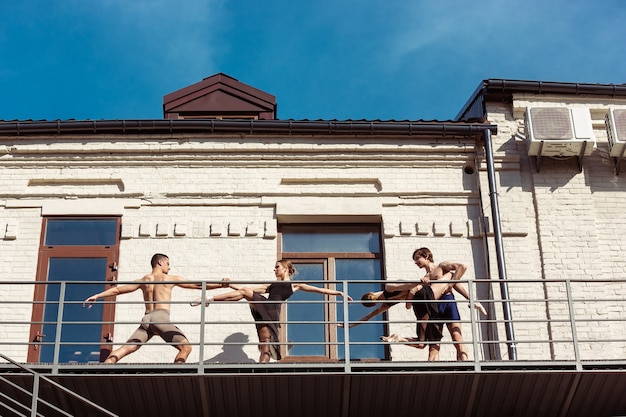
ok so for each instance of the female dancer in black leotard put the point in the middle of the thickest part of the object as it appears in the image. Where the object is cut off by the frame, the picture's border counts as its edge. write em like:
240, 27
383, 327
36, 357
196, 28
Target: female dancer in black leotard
265, 312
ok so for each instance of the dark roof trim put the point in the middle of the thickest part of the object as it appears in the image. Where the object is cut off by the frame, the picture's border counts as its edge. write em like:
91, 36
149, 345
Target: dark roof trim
239, 126
503, 90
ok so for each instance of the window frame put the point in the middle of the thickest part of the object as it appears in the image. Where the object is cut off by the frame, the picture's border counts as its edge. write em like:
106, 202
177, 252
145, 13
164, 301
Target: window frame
328, 259
46, 252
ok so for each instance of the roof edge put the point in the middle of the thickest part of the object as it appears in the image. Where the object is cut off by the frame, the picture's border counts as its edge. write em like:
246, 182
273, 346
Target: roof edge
243, 126
503, 89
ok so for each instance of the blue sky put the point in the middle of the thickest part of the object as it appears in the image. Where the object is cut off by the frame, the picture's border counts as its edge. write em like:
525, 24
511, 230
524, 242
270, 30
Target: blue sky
323, 59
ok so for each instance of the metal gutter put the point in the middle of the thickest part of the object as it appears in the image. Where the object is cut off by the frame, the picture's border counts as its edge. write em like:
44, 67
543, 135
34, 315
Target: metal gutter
497, 232
241, 126
549, 87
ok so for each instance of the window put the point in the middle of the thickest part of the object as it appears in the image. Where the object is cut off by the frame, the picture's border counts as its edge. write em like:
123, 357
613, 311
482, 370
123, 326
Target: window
331, 253
73, 253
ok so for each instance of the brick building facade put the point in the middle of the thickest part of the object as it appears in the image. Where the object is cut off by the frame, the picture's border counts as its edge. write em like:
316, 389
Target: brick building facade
220, 181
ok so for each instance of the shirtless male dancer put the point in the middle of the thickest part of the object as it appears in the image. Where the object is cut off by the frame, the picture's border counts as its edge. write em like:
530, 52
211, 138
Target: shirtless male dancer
157, 298
423, 258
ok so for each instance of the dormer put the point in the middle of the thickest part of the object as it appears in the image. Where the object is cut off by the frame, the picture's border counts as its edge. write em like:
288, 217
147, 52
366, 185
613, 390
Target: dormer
219, 97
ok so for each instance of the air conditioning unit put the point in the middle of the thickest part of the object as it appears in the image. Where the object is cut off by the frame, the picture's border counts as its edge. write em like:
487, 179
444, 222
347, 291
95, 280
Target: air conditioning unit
559, 131
616, 131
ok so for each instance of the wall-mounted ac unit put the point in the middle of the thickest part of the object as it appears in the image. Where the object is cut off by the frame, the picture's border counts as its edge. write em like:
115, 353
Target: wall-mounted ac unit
616, 131
559, 131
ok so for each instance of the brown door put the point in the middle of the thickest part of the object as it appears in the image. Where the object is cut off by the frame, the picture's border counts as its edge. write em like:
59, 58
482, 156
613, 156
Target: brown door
62, 329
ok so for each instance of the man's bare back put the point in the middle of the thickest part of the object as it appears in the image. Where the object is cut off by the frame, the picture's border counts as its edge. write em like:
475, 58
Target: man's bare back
158, 296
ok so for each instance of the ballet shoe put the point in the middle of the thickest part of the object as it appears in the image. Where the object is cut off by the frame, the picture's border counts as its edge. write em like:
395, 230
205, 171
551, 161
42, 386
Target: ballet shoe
392, 338
198, 301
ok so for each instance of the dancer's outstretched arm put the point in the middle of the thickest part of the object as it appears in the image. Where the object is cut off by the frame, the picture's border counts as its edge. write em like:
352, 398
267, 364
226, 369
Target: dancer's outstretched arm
379, 310
462, 289
319, 290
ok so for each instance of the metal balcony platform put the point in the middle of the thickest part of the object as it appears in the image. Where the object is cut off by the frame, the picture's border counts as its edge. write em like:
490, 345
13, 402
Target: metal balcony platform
502, 388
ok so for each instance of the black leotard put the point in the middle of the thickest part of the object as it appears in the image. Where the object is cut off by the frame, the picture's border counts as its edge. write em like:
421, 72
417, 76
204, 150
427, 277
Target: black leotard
265, 311
434, 331
389, 297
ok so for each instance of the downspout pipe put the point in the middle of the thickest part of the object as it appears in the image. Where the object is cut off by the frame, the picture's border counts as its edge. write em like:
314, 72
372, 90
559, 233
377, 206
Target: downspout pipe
497, 232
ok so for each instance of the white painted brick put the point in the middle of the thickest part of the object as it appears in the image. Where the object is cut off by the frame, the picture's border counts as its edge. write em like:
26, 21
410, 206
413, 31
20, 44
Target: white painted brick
558, 224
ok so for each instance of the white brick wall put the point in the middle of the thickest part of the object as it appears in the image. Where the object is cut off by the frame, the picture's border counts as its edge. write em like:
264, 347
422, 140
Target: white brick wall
574, 233
211, 206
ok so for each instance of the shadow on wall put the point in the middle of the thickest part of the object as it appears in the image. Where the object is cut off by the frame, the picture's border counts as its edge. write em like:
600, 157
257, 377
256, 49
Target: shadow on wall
232, 350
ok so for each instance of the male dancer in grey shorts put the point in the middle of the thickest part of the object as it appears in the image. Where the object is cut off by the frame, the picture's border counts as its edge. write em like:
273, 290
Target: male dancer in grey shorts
157, 319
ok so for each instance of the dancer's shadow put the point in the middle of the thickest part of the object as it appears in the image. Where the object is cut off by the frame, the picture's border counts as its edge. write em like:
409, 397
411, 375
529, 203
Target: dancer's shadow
232, 350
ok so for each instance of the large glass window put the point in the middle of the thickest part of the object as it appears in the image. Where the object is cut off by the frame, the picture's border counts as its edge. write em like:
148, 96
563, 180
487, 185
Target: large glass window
77, 257
332, 253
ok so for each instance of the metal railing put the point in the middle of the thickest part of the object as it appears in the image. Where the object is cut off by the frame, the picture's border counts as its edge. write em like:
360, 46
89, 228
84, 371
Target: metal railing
31, 391
557, 321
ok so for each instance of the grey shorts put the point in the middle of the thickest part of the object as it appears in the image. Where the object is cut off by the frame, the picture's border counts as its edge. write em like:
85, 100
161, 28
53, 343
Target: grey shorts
154, 323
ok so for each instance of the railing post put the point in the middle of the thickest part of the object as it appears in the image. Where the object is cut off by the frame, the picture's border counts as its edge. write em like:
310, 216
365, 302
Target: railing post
35, 399
59, 326
572, 320
202, 326
346, 329
474, 323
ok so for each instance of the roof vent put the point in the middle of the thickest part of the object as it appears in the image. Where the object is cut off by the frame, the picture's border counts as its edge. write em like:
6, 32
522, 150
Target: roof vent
559, 131
219, 97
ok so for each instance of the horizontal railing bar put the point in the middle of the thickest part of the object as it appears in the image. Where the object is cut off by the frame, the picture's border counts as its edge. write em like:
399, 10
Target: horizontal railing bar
559, 307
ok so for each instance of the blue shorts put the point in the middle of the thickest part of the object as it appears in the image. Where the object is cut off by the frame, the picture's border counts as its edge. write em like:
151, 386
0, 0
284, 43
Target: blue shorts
448, 310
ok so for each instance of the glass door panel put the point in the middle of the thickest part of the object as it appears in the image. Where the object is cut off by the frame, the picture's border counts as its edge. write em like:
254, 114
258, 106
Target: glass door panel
78, 325
305, 319
359, 270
